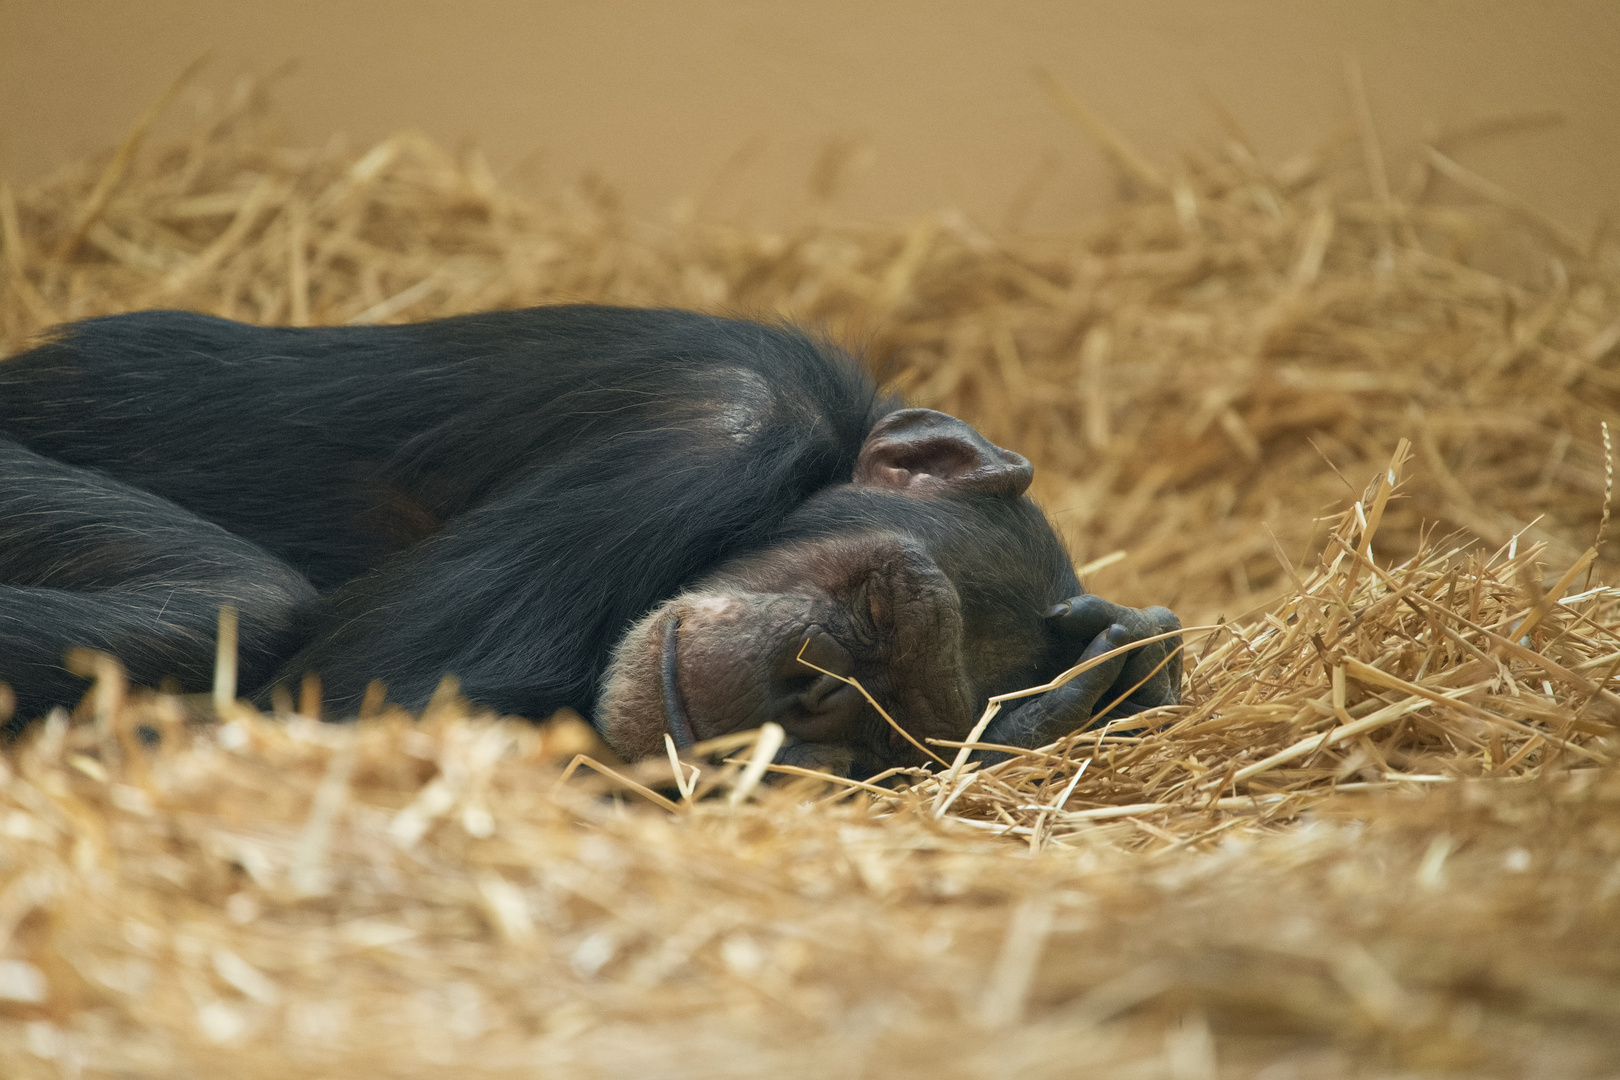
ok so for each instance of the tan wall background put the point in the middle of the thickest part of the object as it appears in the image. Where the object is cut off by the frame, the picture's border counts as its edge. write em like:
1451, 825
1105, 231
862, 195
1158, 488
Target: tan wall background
658, 95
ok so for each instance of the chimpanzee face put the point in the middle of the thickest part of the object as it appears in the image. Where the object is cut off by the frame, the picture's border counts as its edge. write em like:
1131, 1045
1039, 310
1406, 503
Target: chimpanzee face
926, 579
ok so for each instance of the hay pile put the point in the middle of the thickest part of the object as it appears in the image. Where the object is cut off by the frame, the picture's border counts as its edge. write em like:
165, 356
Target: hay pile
1381, 836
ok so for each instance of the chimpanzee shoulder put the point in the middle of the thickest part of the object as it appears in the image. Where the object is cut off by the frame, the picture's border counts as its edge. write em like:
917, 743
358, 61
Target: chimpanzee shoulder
356, 442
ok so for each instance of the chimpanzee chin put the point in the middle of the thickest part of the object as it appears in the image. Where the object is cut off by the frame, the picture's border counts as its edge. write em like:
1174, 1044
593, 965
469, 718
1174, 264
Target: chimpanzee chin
667, 521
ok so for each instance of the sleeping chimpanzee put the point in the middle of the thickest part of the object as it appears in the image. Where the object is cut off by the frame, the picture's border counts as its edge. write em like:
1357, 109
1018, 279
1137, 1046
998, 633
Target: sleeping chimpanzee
645, 515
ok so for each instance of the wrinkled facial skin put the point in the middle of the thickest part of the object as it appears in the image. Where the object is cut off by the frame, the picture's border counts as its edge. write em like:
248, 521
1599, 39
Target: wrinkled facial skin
932, 602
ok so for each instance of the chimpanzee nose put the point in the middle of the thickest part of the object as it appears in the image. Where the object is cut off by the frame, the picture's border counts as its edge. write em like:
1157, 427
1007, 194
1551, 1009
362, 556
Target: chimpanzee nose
821, 695
826, 706
819, 649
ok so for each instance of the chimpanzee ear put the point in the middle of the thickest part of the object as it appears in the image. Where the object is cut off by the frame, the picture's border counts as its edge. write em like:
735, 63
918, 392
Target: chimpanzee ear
923, 451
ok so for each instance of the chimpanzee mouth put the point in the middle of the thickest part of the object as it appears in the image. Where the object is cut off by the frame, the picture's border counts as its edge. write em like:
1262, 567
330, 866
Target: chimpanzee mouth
675, 721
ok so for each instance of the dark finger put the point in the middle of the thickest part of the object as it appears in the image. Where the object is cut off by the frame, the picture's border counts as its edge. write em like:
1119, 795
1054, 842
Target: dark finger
1055, 713
1152, 675
1082, 618
1164, 620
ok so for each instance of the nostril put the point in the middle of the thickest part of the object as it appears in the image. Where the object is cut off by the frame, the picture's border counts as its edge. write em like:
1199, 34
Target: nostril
819, 696
830, 708
816, 705
818, 649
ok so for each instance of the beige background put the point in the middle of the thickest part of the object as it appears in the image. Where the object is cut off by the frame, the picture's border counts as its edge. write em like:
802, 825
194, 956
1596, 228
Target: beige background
658, 95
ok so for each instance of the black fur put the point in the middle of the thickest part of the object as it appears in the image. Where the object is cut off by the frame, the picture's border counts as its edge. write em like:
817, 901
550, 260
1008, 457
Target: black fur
496, 495
88, 561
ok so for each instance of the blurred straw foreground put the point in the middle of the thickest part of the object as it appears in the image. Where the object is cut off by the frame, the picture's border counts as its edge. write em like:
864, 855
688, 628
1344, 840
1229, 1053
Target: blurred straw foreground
1352, 403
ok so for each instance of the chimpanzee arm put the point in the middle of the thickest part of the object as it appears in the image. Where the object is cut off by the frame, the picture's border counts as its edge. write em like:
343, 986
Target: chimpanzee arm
88, 561
336, 448
523, 597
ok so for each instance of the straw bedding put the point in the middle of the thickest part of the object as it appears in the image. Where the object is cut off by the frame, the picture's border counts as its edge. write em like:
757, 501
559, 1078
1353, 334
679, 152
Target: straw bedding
1346, 412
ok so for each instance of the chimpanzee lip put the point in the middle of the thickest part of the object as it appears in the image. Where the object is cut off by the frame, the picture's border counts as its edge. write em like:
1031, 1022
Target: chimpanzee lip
675, 721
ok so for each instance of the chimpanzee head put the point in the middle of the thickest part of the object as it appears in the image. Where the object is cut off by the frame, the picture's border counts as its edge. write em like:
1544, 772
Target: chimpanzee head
927, 578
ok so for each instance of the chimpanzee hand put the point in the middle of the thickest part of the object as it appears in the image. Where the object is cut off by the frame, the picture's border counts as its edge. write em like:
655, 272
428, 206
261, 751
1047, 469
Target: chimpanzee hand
1126, 684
